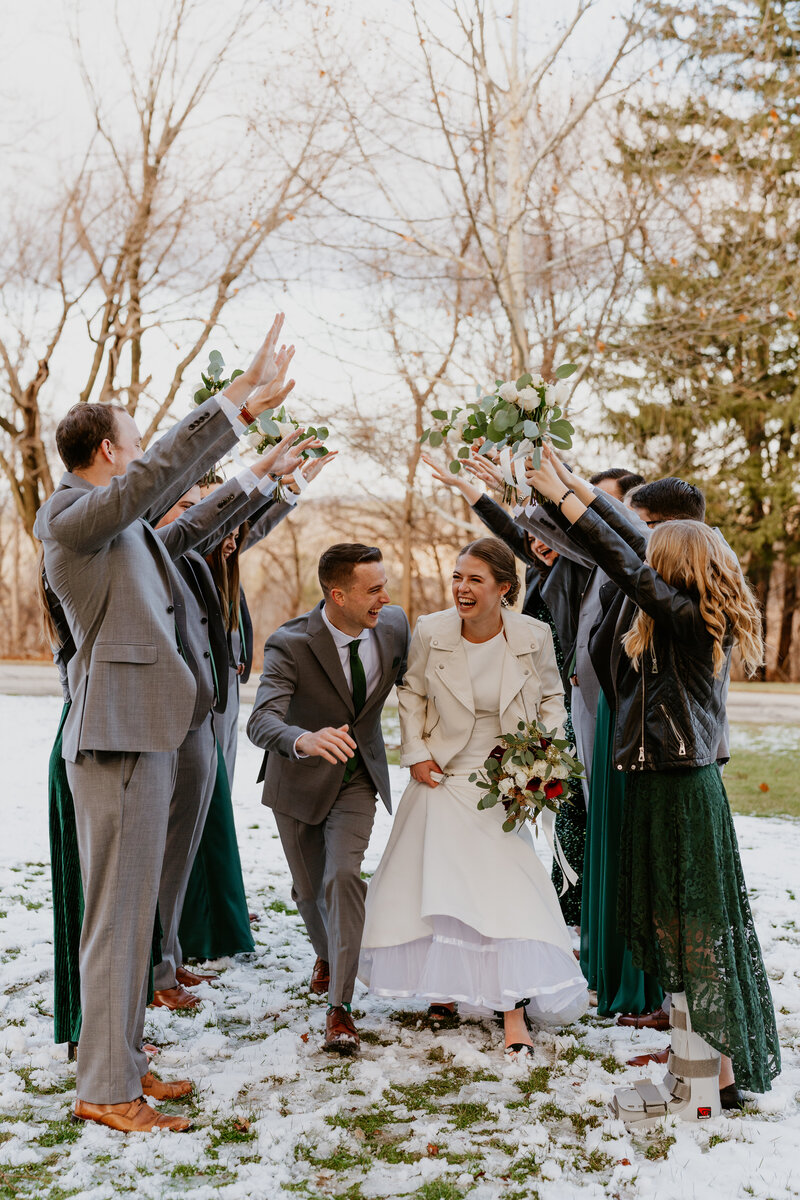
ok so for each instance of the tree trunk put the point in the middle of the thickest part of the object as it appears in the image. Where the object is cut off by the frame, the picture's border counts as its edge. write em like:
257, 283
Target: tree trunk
788, 605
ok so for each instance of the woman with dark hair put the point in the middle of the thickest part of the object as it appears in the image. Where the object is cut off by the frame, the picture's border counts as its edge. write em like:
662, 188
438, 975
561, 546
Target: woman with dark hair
553, 590
458, 910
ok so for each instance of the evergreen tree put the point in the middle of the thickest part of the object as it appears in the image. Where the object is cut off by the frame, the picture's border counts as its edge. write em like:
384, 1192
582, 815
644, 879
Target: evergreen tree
710, 363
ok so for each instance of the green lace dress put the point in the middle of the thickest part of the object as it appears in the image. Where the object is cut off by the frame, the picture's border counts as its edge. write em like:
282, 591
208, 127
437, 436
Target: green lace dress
684, 911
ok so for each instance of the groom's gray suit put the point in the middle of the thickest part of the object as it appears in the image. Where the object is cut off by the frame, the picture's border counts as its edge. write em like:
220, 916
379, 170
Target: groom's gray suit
324, 823
133, 700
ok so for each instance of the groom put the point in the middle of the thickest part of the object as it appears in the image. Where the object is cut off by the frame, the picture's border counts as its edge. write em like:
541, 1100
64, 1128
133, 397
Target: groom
317, 714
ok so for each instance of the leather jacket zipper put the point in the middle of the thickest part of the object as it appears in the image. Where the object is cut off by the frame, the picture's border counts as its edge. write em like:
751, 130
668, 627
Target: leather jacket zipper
641, 747
674, 728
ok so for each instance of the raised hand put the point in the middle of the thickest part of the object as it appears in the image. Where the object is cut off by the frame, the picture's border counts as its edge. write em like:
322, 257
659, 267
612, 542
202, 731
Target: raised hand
263, 385
485, 470
312, 467
334, 745
544, 479
470, 491
289, 459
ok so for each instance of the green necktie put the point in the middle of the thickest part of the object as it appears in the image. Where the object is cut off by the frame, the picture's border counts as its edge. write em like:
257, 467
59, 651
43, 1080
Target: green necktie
359, 700
358, 677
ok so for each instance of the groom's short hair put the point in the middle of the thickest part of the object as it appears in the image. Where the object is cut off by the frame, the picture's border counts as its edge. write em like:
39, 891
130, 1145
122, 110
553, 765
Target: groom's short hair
337, 563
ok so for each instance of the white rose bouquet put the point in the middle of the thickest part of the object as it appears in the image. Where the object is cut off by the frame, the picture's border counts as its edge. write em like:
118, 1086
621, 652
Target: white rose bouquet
514, 419
527, 772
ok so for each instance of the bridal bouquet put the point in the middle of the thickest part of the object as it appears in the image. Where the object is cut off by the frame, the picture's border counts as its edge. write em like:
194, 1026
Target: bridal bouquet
529, 771
268, 429
513, 419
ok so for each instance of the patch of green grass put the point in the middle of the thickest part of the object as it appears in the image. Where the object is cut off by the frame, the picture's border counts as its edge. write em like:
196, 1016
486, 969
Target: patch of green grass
538, 1081
550, 1112
470, 1113
58, 1132
54, 1089
438, 1189
341, 1159
610, 1063
574, 1052
594, 1162
278, 906
421, 1095
749, 769
524, 1169
580, 1123
235, 1129
198, 1171
659, 1147
716, 1139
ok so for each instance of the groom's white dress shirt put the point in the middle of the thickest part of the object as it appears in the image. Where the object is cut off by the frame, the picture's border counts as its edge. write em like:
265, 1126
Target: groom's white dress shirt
367, 652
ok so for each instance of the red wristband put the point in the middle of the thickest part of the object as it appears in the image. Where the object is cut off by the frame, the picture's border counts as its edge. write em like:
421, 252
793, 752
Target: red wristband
246, 415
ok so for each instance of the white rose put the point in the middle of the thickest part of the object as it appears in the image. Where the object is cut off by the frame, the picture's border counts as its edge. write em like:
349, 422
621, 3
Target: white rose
255, 440
285, 427
536, 380
528, 399
558, 393
508, 392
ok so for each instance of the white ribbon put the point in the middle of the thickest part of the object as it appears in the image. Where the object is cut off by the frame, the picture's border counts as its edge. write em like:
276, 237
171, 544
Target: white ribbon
513, 469
549, 829
300, 479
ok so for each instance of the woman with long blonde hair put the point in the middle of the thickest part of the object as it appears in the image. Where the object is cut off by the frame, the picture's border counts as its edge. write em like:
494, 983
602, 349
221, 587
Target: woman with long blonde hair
683, 904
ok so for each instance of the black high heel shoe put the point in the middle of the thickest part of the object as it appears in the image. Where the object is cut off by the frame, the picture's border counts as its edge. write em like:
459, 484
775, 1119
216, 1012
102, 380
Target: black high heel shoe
731, 1098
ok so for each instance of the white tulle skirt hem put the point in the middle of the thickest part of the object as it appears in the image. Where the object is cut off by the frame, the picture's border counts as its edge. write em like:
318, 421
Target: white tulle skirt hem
482, 974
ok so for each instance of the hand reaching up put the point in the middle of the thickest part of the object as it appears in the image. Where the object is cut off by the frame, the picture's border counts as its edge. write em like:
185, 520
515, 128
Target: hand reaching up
470, 491
484, 469
263, 385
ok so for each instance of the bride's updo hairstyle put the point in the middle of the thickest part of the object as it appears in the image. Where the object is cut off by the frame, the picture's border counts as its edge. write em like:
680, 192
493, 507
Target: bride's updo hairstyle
499, 560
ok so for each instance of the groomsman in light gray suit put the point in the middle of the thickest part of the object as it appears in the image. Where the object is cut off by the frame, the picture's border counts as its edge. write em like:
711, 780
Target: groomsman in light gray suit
134, 694
317, 714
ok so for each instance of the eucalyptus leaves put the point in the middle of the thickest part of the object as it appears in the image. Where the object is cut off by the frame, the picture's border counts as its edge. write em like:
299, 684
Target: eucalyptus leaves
514, 419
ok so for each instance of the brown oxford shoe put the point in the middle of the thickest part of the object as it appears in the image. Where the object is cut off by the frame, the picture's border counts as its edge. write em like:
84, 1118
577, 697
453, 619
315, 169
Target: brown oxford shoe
654, 1020
175, 998
320, 977
341, 1035
156, 1089
134, 1116
192, 978
644, 1060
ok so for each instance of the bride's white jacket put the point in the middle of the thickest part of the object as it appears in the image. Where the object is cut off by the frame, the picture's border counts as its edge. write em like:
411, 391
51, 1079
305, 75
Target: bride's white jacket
435, 699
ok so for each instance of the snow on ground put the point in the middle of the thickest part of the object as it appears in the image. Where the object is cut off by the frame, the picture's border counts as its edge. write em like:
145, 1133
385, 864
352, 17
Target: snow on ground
433, 1113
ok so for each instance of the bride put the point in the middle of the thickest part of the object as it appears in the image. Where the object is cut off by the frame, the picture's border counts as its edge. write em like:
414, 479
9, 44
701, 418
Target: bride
458, 910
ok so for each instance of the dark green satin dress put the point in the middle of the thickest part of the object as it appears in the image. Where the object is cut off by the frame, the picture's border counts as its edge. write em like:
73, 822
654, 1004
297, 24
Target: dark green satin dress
215, 921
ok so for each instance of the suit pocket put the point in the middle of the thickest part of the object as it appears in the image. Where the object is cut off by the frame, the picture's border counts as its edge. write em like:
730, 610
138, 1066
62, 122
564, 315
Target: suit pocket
107, 652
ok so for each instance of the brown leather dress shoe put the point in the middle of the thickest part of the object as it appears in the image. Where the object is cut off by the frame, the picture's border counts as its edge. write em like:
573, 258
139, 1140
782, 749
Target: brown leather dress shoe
156, 1089
341, 1035
174, 997
654, 1020
643, 1060
135, 1116
320, 977
192, 978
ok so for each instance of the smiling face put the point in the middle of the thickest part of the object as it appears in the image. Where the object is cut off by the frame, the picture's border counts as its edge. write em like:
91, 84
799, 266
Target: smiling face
228, 545
476, 593
357, 604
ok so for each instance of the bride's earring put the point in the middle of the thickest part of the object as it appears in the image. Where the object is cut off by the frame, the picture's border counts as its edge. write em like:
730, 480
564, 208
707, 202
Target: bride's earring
504, 602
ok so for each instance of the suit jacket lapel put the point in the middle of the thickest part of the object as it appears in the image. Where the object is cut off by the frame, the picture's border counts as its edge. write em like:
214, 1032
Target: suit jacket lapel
324, 649
518, 640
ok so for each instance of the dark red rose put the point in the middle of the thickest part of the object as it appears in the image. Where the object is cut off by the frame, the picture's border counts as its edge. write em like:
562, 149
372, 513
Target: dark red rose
554, 789
533, 785
497, 753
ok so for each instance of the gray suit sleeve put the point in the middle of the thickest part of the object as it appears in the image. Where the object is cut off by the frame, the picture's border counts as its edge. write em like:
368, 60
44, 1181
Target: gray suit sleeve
99, 514
201, 523
263, 522
267, 727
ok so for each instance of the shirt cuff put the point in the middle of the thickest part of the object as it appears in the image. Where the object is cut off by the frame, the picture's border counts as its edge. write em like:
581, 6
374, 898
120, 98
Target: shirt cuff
289, 497
267, 485
247, 479
231, 412
295, 751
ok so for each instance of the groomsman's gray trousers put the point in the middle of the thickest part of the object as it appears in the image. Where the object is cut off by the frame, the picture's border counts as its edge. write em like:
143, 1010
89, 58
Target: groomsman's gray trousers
121, 813
325, 862
188, 809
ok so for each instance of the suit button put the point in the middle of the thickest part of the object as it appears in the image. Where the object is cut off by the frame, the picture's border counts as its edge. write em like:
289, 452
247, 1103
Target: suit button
526, 672
206, 654
204, 620
440, 666
170, 608
435, 643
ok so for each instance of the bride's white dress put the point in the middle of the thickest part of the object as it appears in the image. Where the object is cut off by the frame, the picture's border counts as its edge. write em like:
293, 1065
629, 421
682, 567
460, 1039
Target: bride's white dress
460, 910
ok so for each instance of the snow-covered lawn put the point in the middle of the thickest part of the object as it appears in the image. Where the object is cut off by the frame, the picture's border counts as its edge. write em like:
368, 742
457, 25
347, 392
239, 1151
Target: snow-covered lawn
431, 1113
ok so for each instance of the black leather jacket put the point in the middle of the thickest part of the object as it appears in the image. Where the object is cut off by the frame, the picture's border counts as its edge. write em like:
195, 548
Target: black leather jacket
671, 711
